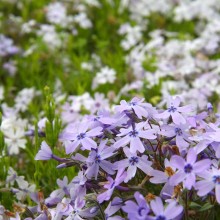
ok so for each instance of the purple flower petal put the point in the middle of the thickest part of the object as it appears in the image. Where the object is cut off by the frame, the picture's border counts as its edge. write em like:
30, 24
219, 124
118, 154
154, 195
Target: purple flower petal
136, 145
177, 162
191, 156
201, 166
177, 178
71, 147
94, 132
88, 143
173, 210
107, 167
204, 187
157, 206
131, 171
190, 181
178, 118
121, 142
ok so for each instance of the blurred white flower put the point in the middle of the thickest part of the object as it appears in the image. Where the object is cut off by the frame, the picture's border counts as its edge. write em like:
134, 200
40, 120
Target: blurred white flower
49, 36
56, 13
106, 75
82, 20
24, 98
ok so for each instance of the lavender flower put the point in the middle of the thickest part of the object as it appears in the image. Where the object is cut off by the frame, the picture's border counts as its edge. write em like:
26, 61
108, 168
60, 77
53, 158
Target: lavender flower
175, 111
7, 47
45, 153
97, 158
171, 211
133, 162
111, 185
77, 134
178, 131
136, 105
132, 135
112, 208
187, 170
79, 211
211, 180
158, 176
139, 210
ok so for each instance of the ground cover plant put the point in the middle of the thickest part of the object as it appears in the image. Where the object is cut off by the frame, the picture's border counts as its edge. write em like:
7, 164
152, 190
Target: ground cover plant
109, 109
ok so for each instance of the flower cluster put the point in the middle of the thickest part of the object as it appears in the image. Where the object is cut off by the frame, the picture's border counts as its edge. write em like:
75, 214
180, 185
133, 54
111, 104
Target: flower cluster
148, 163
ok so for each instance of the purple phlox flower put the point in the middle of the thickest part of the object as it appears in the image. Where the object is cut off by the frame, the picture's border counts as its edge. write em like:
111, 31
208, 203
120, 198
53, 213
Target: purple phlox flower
24, 190
158, 176
97, 158
7, 47
175, 111
133, 162
79, 211
99, 102
69, 114
167, 193
200, 137
77, 134
64, 187
187, 170
210, 181
201, 145
213, 132
180, 132
80, 179
76, 209
197, 121
78, 189
64, 208
112, 208
110, 186
136, 105
213, 138
132, 135
138, 210
58, 194
113, 120
108, 121
171, 211
45, 153
13, 176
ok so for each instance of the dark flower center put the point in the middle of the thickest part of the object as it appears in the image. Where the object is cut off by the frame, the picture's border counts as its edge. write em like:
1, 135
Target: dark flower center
216, 179
97, 159
133, 160
188, 168
97, 104
178, 131
172, 109
133, 133
161, 217
141, 211
81, 136
132, 103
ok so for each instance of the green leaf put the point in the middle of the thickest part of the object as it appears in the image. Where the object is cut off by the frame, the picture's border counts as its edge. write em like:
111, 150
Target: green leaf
205, 207
194, 205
